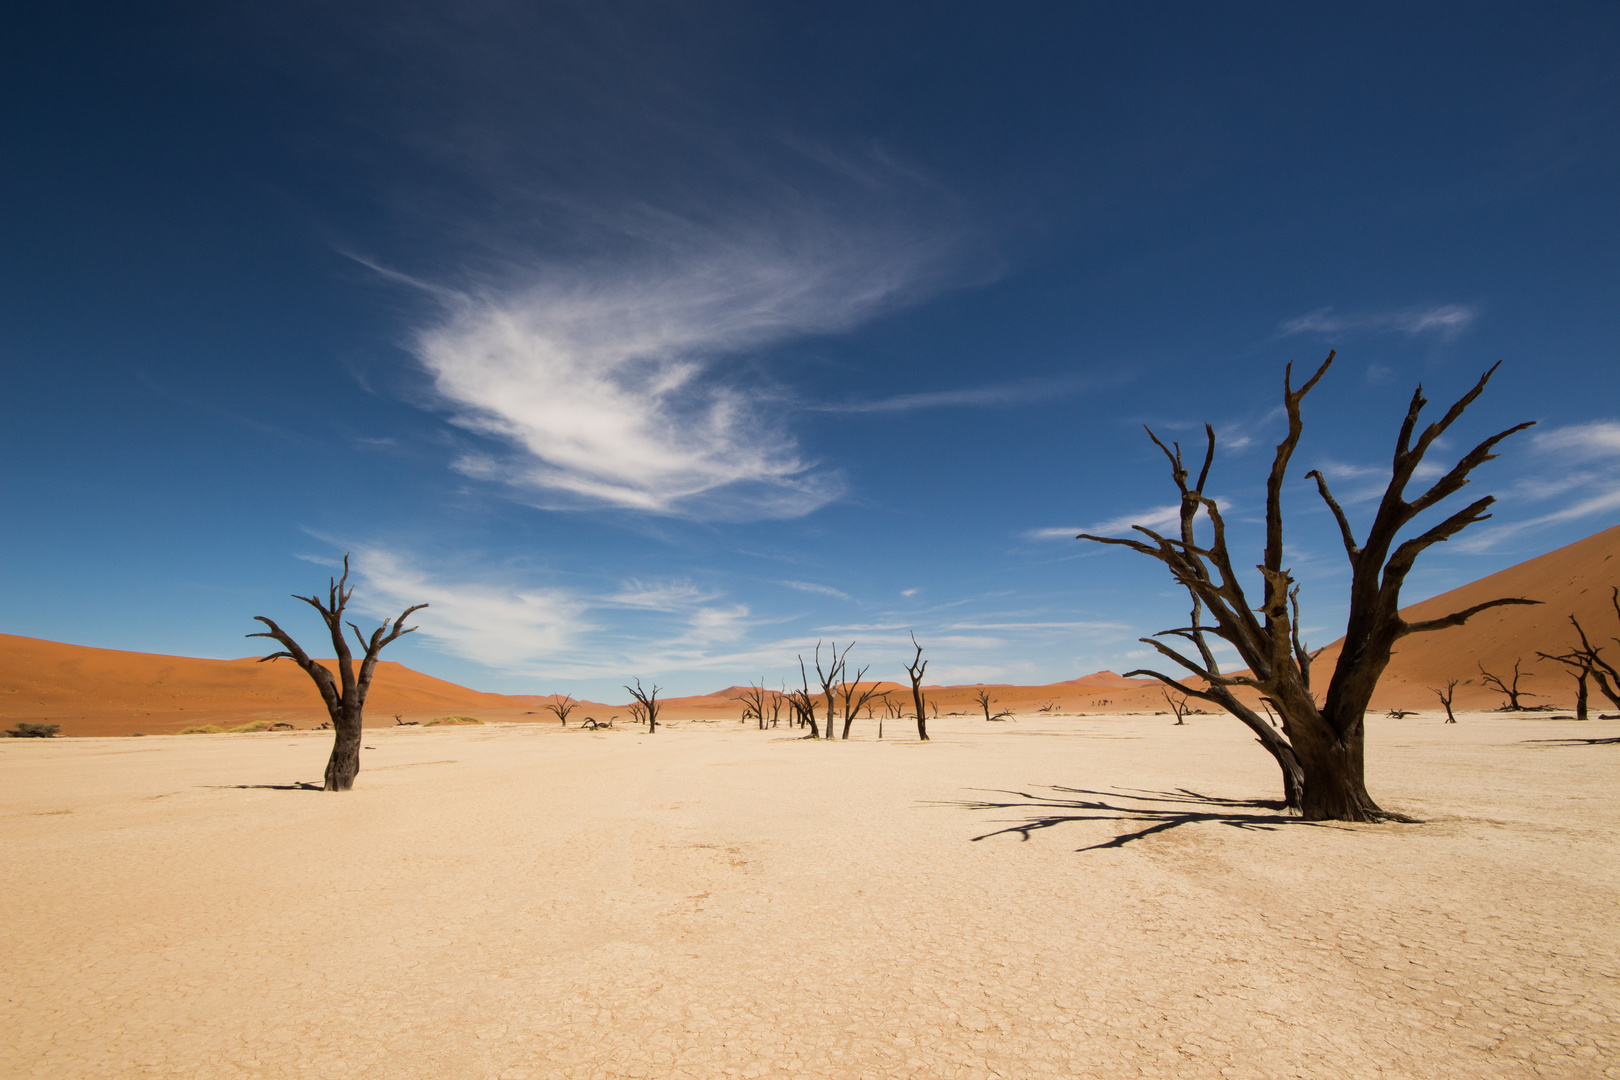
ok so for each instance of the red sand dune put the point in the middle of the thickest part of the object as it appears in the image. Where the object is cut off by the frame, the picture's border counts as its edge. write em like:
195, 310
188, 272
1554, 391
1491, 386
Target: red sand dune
106, 692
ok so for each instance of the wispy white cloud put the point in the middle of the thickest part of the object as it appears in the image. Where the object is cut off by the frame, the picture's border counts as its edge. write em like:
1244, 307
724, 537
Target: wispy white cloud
1580, 442
1445, 320
811, 587
659, 596
1012, 393
507, 629
602, 381
1158, 518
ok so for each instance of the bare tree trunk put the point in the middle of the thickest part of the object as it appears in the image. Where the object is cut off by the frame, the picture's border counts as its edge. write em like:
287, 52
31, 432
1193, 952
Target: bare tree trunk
1580, 697
916, 668
1446, 696
345, 696
1325, 739
344, 764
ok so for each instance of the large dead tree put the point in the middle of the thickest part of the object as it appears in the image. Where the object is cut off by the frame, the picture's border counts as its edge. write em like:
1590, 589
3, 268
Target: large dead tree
915, 669
345, 695
1320, 742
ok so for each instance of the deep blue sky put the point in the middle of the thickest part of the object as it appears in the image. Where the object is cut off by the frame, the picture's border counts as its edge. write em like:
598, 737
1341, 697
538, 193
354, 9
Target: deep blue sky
660, 340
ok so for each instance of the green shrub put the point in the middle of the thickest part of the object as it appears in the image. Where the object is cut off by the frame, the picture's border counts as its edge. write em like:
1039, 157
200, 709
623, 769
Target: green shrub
34, 731
256, 725
453, 720
202, 729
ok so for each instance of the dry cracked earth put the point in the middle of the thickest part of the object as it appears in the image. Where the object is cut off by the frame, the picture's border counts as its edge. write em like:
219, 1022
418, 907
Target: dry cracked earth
1077, 897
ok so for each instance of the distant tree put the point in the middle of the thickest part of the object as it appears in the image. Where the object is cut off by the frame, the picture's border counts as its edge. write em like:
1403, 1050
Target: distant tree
985, 701
1320, 746
805, 705
345, 696
1508, 687
1588, 663
755, 701
562, 705
1445, 697
830, 678
647, 701
855, 697
915, 669
1177, 702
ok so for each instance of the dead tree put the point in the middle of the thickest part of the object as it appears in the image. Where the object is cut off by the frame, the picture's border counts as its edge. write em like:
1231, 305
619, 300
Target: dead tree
754, 703
1445, 697
915, 669
1588, 662
562, 705
1177, 702
830, 678
345, 696
805, 705
985, 701
648, 701
1581, 669
1320, 746
855, 698
1507, 687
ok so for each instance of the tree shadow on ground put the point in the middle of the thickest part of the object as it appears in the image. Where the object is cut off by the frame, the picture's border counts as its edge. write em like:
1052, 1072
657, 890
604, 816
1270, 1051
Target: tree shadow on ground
1575, 742
298, 786
1155, 811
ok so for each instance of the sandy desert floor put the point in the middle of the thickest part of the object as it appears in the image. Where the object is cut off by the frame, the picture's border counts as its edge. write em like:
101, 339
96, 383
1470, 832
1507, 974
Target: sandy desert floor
520, 901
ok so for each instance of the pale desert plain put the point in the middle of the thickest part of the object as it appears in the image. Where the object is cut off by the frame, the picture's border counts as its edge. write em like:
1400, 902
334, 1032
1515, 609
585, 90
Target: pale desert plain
1086, 889
714, 900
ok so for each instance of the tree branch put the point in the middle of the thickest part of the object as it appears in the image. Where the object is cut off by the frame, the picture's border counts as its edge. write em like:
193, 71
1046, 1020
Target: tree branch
1460, 617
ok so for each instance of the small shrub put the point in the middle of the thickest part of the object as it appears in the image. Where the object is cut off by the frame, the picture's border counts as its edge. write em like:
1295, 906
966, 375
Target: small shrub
256, 725
453, 720
34, 731
202, 729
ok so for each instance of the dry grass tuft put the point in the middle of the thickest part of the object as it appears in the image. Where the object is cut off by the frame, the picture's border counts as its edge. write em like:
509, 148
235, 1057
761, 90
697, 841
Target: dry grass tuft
452, 720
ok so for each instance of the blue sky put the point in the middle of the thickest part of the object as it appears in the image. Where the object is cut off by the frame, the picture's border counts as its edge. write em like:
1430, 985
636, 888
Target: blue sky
659, 341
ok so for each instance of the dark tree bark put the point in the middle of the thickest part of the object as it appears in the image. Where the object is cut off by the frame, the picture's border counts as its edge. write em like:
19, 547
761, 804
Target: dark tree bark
562, 705
806, 705
648, 700
855, 698
1508, 688
345, 696
1587, 659
915, 669
829, 679
1446, 696
1321, 745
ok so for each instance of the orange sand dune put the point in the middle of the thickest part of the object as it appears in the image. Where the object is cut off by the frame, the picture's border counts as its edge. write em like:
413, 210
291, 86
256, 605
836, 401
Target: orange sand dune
108, 692
1575, 579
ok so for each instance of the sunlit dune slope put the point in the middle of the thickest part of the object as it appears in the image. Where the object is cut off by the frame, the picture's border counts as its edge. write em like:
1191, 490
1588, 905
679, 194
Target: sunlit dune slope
107, 692
1575, 579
